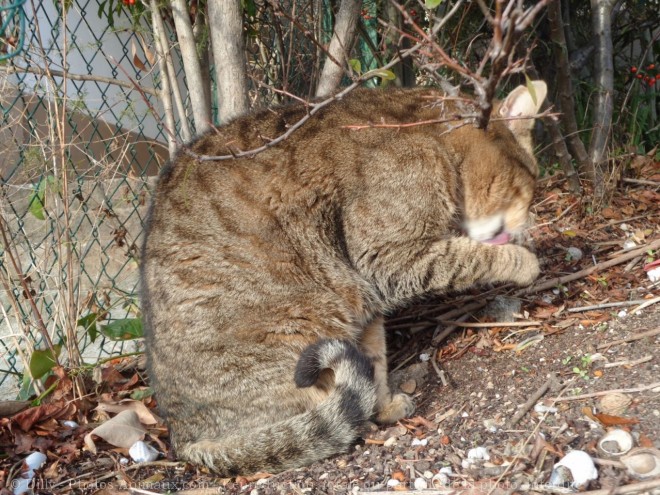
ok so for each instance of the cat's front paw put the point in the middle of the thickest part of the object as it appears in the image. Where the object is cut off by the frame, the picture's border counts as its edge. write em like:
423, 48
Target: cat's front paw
401, 406
524, 267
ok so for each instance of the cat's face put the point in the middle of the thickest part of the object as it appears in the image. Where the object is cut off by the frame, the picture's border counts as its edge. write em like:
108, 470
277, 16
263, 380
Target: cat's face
500, 173
500, 211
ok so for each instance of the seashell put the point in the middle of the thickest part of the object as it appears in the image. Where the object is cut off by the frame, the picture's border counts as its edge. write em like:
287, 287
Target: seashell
35, 460
440, 480
420, 484
581, 467
642, 462
390, 442
616, 443
542, 409
614, 403
479, 453
142, 452
561, 476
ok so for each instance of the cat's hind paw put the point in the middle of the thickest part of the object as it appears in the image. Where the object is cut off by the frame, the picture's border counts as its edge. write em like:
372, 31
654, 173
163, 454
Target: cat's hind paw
401, 406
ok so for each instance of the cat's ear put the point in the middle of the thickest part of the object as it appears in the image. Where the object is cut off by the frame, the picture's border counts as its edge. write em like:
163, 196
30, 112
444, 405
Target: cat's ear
524, 101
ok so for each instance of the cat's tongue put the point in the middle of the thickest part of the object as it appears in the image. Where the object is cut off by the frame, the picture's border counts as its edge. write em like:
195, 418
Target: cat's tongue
501, 238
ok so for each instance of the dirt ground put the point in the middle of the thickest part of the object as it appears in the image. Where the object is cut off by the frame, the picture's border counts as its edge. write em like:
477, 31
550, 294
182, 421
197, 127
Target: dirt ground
524, 378
485, 391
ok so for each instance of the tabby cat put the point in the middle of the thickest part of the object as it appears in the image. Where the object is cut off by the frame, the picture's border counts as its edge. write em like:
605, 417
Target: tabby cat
265, 279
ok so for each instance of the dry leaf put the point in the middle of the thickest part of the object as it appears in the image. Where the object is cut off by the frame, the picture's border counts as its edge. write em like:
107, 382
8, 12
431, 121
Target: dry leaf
608, 420
143, 412
399, 476
136, 60
611, 214
420, 421
121, 431
545, 312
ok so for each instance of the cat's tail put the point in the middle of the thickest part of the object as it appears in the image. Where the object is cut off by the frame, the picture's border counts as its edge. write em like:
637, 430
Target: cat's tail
330, 428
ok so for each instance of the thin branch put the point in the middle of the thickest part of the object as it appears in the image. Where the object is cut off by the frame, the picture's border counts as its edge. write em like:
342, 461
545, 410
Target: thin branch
33, 69
620, 304
635, 390
549, 383
550, 284
638, 336
481, 324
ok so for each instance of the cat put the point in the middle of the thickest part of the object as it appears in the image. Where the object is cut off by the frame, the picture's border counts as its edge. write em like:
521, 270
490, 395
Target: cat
264, 280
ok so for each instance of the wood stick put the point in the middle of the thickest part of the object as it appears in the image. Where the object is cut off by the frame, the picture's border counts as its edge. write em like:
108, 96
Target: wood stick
606, 392
532, 400
549, 284
627, 362
638, 336
645, 304
580, 309
641, 486
642, 182
480, 324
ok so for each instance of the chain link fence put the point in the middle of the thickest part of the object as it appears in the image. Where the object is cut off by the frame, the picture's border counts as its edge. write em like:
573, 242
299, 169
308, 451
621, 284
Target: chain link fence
81, 142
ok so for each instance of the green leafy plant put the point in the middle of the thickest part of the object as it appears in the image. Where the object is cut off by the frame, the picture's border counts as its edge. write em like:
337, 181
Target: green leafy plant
583, 370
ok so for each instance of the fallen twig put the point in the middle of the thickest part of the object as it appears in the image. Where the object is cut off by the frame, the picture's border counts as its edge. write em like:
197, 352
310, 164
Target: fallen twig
643, 388
646, 304
440, 336
619, 304
481, 324
628, 362
642, 486
552, 379
638, 336
642, 182
551, 284
440, 373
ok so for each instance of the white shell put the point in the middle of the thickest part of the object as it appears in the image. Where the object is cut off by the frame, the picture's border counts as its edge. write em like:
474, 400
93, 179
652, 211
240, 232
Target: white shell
21, 485
390, 442
541, 408
392, 482
480, 453
654, 274
581, 466
616, 443
642, 462
629, 244
420, 484
440, 480
35, 460
141, 452
417, 442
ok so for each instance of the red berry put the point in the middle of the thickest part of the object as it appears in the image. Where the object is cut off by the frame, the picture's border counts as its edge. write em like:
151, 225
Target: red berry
633, 69
639, 76
651, 67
